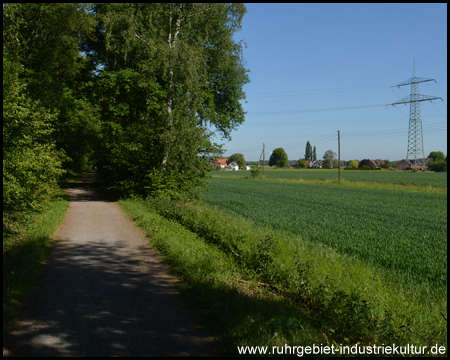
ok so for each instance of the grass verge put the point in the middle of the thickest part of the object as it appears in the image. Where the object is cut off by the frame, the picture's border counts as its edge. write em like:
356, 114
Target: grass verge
260, 287
25, 250
238, 311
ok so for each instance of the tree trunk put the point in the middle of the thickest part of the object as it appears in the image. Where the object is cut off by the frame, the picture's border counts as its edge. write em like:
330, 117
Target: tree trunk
171, 44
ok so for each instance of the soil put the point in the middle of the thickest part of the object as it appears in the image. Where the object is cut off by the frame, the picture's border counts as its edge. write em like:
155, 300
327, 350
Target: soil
104, 292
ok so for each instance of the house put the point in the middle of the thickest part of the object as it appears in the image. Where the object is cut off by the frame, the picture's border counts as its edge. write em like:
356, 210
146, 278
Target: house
233, 165
379, 162
248, 167
368, 163
291, 164
308, 163
317, 164
409, 164
218, 162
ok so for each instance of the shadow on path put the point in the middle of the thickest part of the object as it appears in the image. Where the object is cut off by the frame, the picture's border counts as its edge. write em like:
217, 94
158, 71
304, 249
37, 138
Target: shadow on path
103, 293
84, 189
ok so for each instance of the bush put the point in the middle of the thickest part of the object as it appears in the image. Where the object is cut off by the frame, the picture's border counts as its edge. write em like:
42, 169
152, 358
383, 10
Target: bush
301, 164
439, 166
255, 170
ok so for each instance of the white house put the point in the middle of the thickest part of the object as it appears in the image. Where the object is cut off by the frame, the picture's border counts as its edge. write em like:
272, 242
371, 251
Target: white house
316, 165
233, 165
247, 167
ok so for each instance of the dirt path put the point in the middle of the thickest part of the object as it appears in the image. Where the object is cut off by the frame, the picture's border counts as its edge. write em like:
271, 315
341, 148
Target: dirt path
104, 292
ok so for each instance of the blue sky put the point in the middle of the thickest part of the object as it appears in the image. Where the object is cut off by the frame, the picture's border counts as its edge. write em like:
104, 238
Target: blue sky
319, 68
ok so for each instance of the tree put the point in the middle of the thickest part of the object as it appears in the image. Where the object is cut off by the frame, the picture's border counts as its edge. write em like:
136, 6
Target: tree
354, 164
437, 156
255, 170
329, 159
314, 155
238, 159
31, 162
308, 152
301, 164
387, 164
45, 39
278, 158
170, 71
438, 166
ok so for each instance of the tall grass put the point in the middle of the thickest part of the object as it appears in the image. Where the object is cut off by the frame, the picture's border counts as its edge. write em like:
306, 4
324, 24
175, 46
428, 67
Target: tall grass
338, 297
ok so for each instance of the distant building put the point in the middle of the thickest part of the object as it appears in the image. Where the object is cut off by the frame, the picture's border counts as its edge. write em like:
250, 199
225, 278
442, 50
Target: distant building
410, 164
218, 162
292, 163
233, 165
368, 163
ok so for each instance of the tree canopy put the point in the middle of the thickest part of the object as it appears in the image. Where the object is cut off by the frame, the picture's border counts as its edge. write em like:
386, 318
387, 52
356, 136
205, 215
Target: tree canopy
329, 159
301, 164
169, 71
437, 156
278, 158
309, 152
354, 164
238, 159
131, 89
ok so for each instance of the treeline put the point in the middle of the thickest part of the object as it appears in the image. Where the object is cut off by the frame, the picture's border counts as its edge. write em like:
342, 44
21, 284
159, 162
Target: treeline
128, 89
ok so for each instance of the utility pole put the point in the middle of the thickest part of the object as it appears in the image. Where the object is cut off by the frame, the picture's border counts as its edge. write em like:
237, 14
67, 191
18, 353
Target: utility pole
264, 155
339, 155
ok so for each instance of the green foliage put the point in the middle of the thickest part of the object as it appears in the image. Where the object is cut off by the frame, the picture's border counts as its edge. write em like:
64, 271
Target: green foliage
278, 158
373, 167
45, 39
255, 170
301, 164
31, 162
238, 159
438, 166
354, 164
329, 159
169, 70
387, 164
309, 152
437, 156
314, 154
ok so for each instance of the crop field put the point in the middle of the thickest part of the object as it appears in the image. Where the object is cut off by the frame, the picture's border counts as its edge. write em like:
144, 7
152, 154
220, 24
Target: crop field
402, 232
432, 179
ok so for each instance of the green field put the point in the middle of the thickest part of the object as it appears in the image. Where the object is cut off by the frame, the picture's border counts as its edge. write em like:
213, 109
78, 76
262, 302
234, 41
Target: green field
402, 232
431, 179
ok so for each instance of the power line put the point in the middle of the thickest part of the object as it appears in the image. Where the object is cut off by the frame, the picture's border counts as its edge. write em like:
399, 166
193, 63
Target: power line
337, 122
287, 112
313, 92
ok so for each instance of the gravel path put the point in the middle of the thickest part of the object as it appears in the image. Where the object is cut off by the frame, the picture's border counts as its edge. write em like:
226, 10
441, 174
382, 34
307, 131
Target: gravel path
104, 292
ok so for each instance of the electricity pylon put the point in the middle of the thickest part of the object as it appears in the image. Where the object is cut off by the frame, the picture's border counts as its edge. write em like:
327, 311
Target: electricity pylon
415, 134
